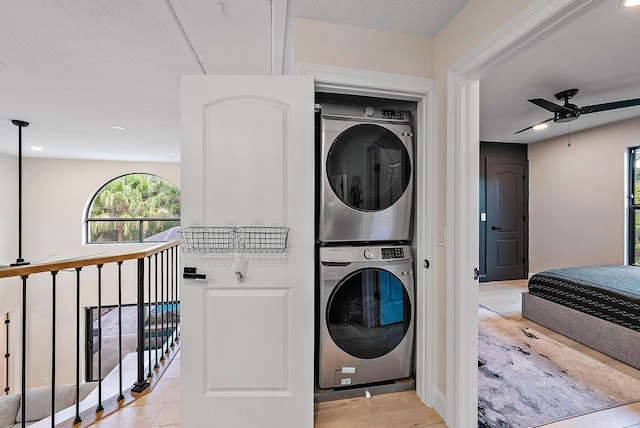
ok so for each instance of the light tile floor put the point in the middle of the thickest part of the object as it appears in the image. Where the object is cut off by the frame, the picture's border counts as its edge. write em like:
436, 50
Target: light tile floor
158, 408
161, 406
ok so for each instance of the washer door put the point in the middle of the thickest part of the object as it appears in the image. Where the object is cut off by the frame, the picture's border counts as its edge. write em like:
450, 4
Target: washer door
368, 313
368, 167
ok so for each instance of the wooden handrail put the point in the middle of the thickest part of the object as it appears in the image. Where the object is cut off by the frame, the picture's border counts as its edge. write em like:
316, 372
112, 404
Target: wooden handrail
81, 261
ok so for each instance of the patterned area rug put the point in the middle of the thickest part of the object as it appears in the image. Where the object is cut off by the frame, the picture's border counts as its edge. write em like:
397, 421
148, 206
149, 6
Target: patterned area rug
526, 379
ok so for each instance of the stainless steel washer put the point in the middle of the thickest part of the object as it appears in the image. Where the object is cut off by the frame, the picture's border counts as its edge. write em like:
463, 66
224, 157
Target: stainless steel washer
366, 315
366, 178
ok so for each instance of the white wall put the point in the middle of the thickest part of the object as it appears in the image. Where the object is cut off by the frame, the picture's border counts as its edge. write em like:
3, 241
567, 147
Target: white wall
325, 43
8, 210
55, 196
577, 197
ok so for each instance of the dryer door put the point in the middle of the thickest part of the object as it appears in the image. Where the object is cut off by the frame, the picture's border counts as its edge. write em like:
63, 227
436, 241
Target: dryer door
368, 167
369, 313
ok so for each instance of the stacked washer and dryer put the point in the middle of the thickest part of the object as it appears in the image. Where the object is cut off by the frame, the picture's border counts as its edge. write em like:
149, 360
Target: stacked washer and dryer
366, 285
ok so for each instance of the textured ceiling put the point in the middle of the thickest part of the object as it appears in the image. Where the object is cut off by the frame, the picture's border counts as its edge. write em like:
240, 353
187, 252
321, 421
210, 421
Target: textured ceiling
409, 16
74, 68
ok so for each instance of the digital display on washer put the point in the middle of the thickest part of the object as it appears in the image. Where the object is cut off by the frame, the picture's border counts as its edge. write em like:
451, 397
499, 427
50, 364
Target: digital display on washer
392, 114
392, 253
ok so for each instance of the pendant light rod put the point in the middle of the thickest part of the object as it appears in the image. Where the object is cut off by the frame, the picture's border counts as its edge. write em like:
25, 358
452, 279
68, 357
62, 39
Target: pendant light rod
20, 124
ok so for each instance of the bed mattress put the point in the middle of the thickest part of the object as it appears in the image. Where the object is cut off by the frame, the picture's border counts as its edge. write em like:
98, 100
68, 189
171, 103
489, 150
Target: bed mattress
608, 292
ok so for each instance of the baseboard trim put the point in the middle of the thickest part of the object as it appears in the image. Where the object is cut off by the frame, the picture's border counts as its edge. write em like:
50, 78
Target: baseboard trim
440, 403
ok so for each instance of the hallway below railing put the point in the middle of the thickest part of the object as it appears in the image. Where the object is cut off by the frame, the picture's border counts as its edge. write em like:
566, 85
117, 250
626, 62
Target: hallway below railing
88, 287
159, 407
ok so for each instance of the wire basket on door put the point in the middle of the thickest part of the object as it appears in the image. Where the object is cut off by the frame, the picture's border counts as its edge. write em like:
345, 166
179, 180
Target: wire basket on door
206, 240
263, 240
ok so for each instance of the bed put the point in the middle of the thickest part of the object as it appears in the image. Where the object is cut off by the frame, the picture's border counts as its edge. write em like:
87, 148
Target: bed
598, 306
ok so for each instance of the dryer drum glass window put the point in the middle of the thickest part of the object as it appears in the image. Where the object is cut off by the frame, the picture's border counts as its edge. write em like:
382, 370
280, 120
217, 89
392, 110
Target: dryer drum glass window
369, 313
368, 167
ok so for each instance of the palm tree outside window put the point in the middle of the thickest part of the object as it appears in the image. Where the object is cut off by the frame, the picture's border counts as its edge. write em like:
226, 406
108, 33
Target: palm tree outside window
134, 208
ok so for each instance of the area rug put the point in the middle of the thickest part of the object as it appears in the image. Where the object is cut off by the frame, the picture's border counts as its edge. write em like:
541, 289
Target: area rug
526, 379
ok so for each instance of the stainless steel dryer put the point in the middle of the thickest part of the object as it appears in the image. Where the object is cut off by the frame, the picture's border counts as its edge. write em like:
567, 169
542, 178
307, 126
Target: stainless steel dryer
366, 319
366, 190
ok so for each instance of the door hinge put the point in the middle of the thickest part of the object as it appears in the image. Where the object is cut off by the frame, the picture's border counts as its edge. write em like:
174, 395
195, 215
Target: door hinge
476, 274
7, 355
7, 321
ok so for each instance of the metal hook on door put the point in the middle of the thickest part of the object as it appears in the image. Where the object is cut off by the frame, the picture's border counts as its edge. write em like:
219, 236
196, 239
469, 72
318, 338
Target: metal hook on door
241, 268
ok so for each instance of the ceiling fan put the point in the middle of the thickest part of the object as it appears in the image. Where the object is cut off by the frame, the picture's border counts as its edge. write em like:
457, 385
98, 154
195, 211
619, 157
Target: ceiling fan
569, 112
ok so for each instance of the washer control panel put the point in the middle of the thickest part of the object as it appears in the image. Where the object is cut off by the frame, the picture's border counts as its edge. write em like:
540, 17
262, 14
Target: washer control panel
363, 253
393, 253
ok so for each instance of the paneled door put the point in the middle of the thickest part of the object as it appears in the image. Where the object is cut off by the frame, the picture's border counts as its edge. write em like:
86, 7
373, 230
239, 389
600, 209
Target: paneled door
247, 159
506, 220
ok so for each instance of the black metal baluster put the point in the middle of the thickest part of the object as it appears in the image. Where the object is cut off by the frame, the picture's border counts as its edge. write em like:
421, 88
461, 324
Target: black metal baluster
173, 302
120, 395
161, 306
155, 318
150, 374
177, 299
78, 419
7, 321
166, 281
141, 383
23, 399
54, 274
100, 407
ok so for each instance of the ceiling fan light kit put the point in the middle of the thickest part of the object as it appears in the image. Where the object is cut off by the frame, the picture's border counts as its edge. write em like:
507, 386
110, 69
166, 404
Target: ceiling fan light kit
630, 3
569, 112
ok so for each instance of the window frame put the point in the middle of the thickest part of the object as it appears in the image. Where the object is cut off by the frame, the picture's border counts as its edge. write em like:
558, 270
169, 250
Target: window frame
140, 220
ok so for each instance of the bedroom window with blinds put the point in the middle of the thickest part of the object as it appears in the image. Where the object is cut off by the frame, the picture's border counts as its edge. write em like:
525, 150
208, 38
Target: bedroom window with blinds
634, 206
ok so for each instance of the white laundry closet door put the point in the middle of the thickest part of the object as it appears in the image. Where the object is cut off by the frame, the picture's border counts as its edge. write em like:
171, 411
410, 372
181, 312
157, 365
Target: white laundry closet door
247, 159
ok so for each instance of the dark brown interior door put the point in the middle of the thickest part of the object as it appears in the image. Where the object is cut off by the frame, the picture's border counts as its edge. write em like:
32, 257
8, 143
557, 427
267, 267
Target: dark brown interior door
505, 220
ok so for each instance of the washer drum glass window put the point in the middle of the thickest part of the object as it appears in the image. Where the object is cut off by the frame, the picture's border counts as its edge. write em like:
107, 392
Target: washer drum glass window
368, 313
368, 167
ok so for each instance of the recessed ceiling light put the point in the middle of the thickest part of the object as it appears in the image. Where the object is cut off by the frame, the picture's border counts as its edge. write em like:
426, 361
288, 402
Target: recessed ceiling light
119, 128
630, 3
171, 154
540, 126
36, 148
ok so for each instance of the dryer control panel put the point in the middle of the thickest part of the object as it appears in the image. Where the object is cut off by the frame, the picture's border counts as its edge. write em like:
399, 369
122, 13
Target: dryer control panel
392, 114
393, 253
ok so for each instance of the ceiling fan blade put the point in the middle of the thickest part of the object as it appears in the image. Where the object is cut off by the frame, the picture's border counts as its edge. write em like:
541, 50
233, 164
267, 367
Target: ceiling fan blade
609, 106
526, 129
548, 105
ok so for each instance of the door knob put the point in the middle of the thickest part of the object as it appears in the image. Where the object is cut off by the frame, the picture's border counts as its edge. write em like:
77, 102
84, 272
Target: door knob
495, 228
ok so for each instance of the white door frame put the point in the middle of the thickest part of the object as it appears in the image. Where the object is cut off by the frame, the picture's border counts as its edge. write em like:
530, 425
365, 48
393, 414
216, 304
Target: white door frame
537, 21
420, 90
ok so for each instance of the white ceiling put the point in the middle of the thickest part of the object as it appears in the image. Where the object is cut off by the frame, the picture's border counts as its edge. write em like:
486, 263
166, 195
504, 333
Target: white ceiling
74, 68
597, 54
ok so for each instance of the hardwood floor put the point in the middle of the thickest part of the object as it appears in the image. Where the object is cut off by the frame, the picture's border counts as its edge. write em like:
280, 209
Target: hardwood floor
160, 407
398, 410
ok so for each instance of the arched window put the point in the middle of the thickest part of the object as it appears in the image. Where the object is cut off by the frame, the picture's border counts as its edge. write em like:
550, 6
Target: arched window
134, 208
